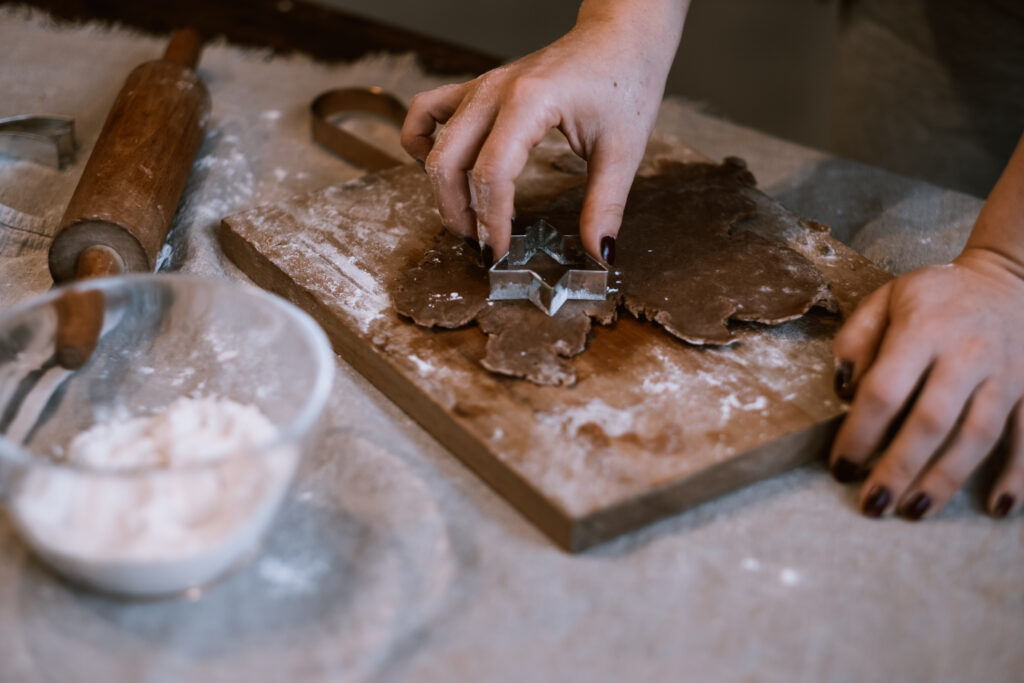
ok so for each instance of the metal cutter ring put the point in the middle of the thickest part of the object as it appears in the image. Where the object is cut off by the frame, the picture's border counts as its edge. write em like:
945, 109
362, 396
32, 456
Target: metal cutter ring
44, 139
374, 101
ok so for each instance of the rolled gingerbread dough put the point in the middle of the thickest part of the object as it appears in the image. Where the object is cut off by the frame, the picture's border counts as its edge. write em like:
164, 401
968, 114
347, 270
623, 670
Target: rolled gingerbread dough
683, 261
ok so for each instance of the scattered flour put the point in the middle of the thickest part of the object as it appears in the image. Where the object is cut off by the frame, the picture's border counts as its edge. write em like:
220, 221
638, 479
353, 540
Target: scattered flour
789, 577
163, 259
732, 401
361, 293
422, 366
614, 422
288, 577
157, 504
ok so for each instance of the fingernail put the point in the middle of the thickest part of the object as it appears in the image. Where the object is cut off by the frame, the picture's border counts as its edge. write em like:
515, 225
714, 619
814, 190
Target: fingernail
845, 471
487, 256
608, 249
842, 380
472, 243
1004, 503
916, 506
877, 501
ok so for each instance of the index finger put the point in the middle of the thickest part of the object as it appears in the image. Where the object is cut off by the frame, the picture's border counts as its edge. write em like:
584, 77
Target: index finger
517, 129
426, 110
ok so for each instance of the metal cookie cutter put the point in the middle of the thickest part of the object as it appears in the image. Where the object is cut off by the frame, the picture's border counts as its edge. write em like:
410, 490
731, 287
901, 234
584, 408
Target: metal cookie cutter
329, 106
548, 268
48, 140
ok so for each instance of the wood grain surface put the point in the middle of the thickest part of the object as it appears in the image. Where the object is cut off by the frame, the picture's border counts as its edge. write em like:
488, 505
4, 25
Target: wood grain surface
653, 426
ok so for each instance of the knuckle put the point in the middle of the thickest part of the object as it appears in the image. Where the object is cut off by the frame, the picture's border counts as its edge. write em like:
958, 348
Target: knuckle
943, 479
899, 468
436, 162
988, 413
609, 210
932, 420
411, 142
982, 426
525, 89
487, 171
973, 350
974, 345
488, 85
419, 101
877, 397
917, 320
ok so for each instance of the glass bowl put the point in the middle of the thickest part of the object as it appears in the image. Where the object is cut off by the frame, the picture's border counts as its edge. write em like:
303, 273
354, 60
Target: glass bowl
156, 466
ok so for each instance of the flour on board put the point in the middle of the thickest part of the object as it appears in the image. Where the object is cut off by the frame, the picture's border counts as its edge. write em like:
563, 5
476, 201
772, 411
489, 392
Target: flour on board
361, 294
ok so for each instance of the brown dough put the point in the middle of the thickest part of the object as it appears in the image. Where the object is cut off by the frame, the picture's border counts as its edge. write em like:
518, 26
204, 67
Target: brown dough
542, 356
683, 264
683, 261
447, 288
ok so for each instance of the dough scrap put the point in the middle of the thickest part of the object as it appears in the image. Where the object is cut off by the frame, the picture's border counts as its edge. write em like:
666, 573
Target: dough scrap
447, 288
541, 356
683, 261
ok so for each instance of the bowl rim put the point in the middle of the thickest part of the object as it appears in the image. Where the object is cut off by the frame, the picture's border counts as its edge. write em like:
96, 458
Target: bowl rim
292, 430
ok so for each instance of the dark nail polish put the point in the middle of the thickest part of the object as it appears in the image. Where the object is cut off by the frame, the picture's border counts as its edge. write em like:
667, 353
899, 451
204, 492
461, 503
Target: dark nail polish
916, 506
845, 471
487, 256
472, 243
1004, 503
843, 380
876, 502
608, 249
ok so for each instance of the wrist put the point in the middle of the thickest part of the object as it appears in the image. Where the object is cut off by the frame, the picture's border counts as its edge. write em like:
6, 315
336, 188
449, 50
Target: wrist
999, 229
653, 27
990, 260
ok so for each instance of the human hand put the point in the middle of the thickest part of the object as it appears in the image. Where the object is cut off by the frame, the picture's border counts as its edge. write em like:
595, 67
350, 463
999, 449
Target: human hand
600, 84
943, 345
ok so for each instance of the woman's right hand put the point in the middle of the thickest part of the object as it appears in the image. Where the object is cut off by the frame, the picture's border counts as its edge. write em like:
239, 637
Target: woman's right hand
601, 84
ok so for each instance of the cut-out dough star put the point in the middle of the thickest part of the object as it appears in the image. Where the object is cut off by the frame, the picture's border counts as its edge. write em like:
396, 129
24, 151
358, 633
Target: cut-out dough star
548, 268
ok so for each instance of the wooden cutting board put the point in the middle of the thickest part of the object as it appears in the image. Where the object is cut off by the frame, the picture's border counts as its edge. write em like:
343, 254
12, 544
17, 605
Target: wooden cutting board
653, 426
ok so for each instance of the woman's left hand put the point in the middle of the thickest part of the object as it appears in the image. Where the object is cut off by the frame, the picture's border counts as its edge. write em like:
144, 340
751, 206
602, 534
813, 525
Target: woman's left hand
944, 347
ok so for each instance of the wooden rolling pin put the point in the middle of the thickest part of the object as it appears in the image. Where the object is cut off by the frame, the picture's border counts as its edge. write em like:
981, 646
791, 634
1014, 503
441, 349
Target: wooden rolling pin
118, 217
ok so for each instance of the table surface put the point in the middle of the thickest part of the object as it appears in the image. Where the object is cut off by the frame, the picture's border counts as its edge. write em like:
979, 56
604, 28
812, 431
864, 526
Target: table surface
391, 561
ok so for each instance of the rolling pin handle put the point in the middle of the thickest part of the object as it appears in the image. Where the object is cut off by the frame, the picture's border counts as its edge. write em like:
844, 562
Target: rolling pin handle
184, 48
80, 314
98, 261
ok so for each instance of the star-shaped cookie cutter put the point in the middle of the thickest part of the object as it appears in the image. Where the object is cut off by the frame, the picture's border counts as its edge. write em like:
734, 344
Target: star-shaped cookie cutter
520, 274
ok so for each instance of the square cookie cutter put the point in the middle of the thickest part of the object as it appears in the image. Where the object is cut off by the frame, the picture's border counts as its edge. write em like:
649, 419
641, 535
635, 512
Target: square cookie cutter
517, 274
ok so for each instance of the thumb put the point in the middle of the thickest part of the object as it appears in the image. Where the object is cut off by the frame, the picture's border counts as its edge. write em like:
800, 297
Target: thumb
610, 168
